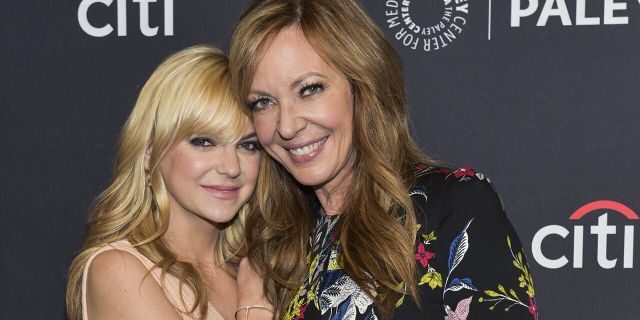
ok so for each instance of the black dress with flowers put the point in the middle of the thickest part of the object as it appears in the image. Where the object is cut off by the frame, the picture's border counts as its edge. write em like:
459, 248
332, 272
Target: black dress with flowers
470, 261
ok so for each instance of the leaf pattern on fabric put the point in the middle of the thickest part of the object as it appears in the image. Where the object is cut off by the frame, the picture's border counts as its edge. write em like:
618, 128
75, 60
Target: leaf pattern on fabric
459, 284
461, 312
419, 190
433, 278
337, 294
511, 298
458, 248
344, 311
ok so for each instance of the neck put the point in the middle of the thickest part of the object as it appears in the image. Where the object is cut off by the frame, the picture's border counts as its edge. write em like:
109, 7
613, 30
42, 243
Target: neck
332, 194
192, 238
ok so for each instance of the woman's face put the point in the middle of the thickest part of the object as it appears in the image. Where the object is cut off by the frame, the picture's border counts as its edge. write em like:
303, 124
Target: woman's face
210, 180
303, 110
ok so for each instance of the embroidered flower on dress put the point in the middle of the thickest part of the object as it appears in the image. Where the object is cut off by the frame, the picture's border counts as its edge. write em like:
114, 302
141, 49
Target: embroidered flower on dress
533, 309
464, 172
303, 308
423, 255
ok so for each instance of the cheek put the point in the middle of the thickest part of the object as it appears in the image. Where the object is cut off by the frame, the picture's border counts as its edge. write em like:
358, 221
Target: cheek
187, 166
265, 126
250, 169
336, 114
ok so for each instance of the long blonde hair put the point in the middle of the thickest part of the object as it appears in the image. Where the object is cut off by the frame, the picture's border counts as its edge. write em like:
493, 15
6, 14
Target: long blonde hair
378, 212
188, 93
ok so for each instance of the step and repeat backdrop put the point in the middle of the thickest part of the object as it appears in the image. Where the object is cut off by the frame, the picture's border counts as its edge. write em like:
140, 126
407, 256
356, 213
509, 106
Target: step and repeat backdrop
541, 95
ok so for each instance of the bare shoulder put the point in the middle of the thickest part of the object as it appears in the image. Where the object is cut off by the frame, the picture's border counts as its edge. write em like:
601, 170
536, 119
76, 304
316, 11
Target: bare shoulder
120, 287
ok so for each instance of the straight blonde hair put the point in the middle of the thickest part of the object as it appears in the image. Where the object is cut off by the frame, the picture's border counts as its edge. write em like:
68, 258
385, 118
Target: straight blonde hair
188, 93
378, 212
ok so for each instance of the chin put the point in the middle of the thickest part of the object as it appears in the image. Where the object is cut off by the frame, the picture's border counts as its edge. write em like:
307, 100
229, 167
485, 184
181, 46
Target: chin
311, 179
221, 217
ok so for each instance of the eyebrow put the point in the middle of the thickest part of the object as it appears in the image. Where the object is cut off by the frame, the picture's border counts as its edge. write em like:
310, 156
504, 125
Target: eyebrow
250, 135
260, 93
294, 84
301, 78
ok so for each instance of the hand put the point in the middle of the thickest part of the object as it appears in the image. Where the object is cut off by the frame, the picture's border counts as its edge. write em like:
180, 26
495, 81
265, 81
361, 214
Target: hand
251, 293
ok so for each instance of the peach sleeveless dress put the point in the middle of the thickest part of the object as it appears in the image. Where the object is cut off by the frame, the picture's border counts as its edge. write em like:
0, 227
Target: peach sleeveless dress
171, 283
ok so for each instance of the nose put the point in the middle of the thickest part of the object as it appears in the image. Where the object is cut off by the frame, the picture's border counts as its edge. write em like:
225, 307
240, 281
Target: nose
290, 121
229, 162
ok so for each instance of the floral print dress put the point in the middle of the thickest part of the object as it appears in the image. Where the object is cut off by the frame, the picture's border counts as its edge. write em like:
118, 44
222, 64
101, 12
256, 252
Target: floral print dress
470, 262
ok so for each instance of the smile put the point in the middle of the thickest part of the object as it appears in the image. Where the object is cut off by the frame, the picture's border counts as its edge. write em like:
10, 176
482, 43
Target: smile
308, 149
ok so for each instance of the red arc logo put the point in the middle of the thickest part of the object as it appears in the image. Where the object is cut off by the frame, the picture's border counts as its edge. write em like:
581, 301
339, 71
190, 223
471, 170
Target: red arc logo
604, 205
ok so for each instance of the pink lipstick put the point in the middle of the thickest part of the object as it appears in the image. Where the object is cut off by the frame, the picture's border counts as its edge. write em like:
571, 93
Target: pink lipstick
223, 192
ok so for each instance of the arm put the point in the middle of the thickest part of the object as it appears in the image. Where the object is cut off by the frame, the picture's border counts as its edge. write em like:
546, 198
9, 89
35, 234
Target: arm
484, 271
251, 293
119, 287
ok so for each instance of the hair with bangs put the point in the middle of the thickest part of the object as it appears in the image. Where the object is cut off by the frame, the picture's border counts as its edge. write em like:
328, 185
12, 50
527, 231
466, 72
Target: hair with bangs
378, 212
188, 93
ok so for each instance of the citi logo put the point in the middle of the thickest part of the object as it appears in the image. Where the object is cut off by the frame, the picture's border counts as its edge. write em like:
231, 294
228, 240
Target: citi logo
121, 23
601, 231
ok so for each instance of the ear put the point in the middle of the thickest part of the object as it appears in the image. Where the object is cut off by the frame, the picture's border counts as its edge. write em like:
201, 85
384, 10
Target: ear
147, 158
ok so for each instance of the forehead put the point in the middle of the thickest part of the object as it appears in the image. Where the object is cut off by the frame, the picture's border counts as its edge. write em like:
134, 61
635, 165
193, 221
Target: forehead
288, 55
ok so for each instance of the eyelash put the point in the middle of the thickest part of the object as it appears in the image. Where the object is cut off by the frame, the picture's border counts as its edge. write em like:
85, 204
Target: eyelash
253, 103
202, 142
315, 86
251, 146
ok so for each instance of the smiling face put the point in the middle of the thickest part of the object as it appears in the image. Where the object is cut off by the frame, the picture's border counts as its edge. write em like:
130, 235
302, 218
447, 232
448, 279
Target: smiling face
303, 111
209, 180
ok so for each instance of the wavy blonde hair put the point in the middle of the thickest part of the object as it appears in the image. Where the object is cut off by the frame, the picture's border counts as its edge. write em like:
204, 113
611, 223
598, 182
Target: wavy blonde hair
188, 93
378, 212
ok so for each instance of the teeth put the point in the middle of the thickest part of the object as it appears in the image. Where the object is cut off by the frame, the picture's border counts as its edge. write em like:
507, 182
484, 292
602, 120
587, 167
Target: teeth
306, 149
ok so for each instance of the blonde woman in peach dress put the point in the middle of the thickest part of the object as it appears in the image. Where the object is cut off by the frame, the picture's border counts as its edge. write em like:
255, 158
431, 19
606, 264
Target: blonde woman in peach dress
164, 240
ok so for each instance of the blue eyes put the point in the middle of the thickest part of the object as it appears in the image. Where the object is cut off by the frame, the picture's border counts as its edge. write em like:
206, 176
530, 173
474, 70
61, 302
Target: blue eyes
204, 142
311, 89
260, 103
